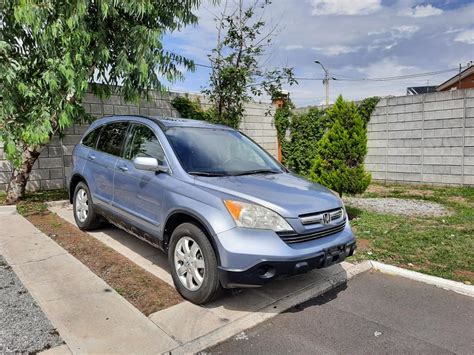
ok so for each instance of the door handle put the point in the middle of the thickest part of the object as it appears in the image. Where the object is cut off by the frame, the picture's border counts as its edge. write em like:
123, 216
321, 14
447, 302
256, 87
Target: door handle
123, 168
91, 156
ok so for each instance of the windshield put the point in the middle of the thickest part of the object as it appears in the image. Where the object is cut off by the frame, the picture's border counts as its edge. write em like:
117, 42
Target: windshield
215, 152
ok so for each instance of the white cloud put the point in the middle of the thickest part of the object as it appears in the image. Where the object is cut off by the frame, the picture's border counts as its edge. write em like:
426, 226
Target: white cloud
422, 11
453, 30
465, 37
335, 50
345, 7
386, 67
405, 30
389, 38
292, 47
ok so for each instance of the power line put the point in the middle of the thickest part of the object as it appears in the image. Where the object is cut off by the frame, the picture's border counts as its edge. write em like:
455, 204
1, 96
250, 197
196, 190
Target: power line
347, 78
388, 78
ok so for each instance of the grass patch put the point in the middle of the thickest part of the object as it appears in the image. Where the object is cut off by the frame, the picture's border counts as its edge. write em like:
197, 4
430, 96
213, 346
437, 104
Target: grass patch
440, 246
39, 196
145, 291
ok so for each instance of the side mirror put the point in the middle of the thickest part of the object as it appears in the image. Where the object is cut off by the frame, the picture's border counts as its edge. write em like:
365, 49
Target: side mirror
149, 164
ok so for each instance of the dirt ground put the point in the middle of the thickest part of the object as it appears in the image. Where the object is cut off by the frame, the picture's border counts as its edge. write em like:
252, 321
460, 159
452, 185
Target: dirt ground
144, 290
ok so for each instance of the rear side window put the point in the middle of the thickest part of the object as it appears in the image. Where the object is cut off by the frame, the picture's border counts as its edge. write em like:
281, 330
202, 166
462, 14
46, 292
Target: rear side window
144, 143
91, 139
112, 137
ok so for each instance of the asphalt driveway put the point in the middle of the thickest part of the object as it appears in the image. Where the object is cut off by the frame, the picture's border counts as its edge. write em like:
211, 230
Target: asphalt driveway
373, 314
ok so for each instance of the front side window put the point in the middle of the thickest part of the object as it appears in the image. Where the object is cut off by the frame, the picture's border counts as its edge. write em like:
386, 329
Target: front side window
112, 137
214, 151
144, 143
91, 139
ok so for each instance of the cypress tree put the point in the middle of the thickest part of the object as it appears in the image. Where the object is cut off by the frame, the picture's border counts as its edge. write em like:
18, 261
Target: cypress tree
339, 161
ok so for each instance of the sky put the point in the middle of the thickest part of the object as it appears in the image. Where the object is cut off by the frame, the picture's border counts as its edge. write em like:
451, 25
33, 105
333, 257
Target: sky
354, 39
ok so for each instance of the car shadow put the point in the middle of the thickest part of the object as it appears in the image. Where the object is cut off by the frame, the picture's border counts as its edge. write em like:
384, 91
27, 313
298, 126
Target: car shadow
319, 300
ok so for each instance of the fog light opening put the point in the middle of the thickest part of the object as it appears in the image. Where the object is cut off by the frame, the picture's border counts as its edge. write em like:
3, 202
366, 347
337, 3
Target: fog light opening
266, 271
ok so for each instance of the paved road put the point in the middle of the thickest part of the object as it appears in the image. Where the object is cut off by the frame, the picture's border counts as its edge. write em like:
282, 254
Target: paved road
373, 314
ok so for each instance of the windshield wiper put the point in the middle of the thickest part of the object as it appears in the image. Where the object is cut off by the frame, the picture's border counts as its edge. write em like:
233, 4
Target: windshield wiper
204, 173
257, 171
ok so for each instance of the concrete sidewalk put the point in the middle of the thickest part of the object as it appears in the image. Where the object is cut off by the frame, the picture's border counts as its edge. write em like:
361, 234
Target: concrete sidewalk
89, 315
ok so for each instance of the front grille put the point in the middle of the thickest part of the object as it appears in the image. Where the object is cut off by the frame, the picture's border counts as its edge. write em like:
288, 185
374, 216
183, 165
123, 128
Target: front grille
318, 218
291, 238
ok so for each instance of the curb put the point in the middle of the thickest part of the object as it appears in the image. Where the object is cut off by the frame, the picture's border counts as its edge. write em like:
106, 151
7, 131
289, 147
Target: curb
445, 284
59, 203
223, 333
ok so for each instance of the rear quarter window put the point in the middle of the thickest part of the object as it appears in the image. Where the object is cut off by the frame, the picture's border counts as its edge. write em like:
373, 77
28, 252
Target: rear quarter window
90, 140
112, 137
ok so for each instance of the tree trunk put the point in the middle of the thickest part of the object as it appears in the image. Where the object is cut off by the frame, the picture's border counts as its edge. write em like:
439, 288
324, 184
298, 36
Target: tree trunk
17, 184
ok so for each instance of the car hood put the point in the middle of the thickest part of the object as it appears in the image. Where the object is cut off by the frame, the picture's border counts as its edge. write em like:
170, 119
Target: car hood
287, 194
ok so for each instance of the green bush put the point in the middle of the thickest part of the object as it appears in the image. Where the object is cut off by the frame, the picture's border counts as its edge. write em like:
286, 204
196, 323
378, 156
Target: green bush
192, 109
306, 131
339, 161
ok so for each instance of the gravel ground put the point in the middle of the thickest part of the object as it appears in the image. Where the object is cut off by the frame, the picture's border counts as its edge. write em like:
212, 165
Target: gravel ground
23, 326
398, 206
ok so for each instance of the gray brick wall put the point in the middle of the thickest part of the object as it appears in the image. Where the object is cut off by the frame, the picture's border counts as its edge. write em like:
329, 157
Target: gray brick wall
54, 164
423, 139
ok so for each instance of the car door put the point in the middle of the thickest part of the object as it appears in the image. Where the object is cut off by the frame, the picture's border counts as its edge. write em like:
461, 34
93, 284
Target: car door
138, 193
100, 165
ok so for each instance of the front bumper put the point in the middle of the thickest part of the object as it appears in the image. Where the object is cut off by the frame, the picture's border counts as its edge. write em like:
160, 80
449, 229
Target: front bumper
267, 271
250, 258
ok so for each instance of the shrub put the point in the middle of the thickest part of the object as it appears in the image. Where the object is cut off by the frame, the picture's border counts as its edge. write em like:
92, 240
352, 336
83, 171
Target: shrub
306, 131
339, 161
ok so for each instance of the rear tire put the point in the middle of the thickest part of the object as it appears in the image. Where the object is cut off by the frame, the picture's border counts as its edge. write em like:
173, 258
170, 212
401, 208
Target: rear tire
193, 264
83, 208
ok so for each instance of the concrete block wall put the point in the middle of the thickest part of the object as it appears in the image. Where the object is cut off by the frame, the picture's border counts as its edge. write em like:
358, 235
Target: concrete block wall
423, 139
54, 163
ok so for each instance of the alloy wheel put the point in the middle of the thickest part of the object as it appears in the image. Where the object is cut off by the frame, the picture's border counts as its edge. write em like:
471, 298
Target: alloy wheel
82, 205
189, 263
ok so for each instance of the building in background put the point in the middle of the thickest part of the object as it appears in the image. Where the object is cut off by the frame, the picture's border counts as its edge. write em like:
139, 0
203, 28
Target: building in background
463, 80
417, 90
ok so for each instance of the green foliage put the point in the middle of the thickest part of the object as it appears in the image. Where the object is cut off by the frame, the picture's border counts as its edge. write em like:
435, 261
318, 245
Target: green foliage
236, 75
282, 119
50, 52
339, 161
306, 131
366, 107
300, 149
193, 109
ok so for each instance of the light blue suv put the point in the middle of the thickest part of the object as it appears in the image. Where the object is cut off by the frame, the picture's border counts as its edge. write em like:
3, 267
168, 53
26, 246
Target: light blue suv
226, 213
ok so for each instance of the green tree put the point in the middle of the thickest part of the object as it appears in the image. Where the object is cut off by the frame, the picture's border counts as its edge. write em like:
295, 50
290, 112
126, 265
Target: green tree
339, 162
236, 73
52, 50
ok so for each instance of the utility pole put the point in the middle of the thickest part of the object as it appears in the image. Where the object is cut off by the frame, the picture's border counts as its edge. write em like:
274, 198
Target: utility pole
325, 80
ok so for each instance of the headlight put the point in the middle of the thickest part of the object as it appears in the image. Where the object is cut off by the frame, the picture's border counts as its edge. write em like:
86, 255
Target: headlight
249, 215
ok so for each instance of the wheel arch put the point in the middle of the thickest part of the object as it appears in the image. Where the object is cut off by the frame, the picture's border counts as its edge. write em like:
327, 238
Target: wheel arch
75, 179
178, 217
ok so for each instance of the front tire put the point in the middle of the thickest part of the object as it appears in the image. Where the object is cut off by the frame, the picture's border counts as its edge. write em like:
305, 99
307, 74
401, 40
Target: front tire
83, 208
193, 264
